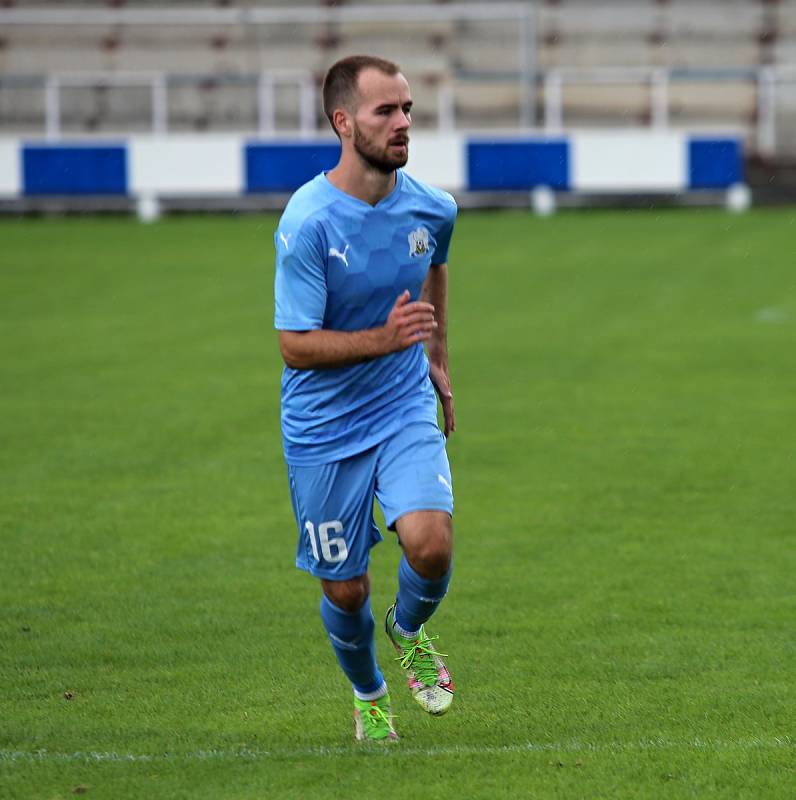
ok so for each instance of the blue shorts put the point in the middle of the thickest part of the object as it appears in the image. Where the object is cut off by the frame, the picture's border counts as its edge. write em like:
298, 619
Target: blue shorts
333, 503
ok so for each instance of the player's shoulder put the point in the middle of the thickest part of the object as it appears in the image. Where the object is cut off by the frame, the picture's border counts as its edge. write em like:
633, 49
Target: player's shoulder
431, 196
300, 231
307, 207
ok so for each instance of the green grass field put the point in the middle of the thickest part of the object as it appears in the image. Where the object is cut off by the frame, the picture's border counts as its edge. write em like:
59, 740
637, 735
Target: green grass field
621, 619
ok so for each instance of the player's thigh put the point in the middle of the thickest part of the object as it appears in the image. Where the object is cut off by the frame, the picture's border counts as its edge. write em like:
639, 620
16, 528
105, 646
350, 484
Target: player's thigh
413, 473
333, 506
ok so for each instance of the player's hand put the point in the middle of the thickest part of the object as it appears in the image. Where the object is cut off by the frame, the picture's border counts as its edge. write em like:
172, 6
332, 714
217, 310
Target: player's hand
442, 383
408, 323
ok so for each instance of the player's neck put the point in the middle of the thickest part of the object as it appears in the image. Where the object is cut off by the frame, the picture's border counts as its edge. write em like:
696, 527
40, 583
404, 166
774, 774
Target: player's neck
368, 185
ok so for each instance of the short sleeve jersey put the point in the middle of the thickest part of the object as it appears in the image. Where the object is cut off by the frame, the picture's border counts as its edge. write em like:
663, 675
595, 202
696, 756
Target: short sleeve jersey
340, 265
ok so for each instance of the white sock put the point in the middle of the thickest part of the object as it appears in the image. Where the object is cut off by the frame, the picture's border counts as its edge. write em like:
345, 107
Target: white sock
403, 632
380, 692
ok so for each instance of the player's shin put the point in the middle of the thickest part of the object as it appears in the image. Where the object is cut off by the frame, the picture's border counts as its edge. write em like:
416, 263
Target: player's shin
418, 597
351, 635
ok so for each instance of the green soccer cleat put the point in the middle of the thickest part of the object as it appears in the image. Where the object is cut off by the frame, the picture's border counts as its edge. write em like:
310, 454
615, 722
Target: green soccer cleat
373, 720
428, 677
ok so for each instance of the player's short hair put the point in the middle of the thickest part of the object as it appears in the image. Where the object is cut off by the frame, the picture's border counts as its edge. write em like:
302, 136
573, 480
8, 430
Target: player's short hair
340, 83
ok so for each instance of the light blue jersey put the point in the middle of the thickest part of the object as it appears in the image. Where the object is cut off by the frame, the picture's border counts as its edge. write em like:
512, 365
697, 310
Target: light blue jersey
340, 265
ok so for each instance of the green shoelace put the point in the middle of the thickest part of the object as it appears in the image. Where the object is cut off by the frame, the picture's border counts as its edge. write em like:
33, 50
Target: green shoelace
419, 657
376, 717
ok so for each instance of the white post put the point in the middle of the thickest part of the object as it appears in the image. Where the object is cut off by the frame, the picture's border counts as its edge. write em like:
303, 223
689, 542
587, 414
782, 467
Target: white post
160, 114
265, 103
307, 106
52, 107
659, 97
527, 68
446, 108
543, 201
148, 207
766, 111
553, 101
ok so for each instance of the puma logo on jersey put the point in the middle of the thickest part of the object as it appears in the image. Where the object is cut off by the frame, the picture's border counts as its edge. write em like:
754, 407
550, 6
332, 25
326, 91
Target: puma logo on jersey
285, 239
333, 251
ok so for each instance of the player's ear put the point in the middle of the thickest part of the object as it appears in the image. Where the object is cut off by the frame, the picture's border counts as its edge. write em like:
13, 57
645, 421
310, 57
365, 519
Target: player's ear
342, 122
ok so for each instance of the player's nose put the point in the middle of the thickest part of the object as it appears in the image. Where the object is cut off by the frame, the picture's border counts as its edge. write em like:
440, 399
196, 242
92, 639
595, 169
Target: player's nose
403, 121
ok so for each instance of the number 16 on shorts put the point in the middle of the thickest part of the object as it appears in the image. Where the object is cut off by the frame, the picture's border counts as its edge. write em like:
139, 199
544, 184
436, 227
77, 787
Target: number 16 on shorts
327, 544
333, 506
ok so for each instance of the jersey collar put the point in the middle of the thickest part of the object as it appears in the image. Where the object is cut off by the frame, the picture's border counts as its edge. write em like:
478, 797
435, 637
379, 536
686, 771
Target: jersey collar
385, 202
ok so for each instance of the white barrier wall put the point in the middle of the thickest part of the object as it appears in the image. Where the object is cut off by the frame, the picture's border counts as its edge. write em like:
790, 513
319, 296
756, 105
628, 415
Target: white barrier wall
185, 165
611, 161
10, 177
231, 165
438, 159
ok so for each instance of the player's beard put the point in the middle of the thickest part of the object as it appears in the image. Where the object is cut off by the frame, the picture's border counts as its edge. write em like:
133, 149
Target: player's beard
380, 159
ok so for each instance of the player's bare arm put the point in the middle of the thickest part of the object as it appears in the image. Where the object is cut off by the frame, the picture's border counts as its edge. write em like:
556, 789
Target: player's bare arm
407, 323
435, 292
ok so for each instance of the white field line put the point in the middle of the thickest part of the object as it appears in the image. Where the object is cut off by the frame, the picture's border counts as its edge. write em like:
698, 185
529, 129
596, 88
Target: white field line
398, 750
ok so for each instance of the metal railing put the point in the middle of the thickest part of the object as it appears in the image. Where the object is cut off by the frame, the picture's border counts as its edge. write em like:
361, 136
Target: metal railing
766, 81
159, 85
55, 83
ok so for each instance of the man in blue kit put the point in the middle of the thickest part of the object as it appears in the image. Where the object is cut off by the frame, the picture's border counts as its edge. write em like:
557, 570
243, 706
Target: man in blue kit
361, 287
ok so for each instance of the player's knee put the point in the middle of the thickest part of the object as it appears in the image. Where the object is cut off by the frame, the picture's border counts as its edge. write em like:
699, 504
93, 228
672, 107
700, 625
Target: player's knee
431, 563
431, 556
348, 595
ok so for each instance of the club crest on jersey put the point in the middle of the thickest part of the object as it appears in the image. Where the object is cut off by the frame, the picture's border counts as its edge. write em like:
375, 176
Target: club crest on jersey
418, 242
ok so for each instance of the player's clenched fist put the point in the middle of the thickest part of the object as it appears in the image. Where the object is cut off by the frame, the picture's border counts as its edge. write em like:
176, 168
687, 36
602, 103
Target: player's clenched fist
408, 323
